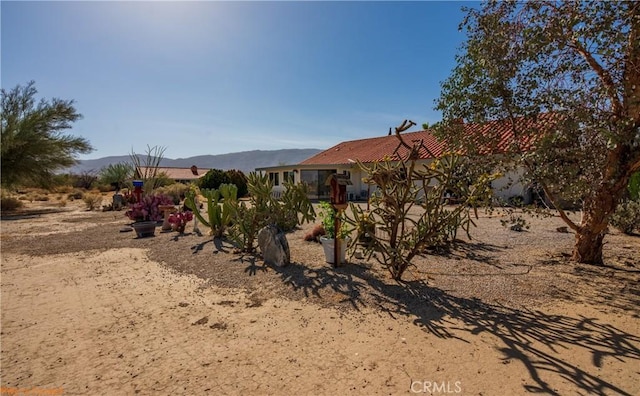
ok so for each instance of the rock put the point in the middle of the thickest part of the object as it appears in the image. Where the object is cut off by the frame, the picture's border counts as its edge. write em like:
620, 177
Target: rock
200, 321
516, 227
274, 246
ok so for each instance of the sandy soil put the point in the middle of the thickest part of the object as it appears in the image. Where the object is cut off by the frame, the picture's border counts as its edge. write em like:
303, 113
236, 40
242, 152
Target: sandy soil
87, 309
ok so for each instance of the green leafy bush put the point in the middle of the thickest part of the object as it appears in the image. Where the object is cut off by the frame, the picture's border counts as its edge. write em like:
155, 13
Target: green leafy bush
634, 186
240, 180
328, 214
627, 216
213, 179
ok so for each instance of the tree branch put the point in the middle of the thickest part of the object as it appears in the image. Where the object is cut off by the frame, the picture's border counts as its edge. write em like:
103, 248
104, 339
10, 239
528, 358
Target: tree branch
561, 212
602, 73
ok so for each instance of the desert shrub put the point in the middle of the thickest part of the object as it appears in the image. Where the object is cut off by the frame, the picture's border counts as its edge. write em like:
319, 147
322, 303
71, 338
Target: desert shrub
76, 194
177, 191
115, 175
41, 197
404, 184
9, 204
64, 189
292, 209
103, 188
626, 218
83, 180
92, 201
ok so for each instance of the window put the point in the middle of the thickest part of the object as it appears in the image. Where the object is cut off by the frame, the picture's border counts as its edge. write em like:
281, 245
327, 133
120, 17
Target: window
289, 177
275, 178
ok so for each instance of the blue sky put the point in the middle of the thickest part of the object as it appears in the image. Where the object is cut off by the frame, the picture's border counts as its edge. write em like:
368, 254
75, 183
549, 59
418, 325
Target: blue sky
219, 77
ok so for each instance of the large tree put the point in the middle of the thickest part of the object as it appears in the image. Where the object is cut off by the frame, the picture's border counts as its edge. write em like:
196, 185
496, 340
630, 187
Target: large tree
564, 77
33, 145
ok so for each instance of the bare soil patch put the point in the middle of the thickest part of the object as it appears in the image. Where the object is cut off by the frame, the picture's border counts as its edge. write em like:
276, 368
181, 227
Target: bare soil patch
91, 309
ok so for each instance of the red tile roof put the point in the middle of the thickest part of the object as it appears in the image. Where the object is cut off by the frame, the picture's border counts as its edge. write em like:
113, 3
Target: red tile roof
375, 149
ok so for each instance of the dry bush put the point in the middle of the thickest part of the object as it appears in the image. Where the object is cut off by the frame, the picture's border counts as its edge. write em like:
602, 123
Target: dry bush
104, 188
176, 191
92, 201
76, 194
315, 233
9, 204
63, 189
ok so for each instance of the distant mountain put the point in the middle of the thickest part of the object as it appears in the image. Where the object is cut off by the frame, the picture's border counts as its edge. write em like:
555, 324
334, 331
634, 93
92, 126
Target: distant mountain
246, 161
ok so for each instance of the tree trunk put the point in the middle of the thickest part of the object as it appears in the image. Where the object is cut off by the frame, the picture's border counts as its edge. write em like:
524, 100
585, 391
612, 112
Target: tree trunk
596, 211
588, 247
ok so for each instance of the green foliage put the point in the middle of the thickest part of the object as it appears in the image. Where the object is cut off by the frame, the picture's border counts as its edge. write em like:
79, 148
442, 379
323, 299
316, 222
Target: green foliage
328, 215
213, 179
564, 76
292, 209
32, 145
402, 185
626, 218
116, 174
222, 205
240, 180
9, 204
634, 187
146, 168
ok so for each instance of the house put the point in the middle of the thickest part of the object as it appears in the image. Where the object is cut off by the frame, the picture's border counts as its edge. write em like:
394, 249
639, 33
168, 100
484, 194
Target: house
180, 175
342, 158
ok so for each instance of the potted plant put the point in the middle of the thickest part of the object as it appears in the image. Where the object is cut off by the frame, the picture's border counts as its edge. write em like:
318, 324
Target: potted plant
328, 215
146, 213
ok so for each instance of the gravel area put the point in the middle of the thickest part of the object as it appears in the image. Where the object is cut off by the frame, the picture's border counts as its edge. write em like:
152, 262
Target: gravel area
499, 267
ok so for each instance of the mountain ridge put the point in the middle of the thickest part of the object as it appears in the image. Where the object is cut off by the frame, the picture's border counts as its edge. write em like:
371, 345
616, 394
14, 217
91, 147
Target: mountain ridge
245, 161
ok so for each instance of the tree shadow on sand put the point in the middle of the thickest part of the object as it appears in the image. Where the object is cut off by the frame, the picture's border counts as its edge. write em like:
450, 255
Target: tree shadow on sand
525, 334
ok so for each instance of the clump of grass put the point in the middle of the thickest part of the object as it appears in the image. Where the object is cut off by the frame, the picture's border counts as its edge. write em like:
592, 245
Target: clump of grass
92, 201
76, 194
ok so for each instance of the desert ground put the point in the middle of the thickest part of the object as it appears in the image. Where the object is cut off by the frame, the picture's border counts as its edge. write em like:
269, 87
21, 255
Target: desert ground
88, 309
